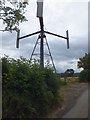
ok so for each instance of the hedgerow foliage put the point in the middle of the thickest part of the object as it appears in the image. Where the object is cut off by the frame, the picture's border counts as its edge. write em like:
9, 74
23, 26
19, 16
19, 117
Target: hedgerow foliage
28, 90
84, 63
84, 75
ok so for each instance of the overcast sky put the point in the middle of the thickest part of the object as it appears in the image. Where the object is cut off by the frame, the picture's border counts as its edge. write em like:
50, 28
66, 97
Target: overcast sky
58, 17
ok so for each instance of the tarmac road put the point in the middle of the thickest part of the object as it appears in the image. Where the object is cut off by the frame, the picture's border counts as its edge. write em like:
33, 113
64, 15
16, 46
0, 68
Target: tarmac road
80, 109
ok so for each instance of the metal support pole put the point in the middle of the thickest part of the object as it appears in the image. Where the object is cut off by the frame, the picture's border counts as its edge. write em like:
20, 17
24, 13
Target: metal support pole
41, 50
41, 42
34, 48
50, 55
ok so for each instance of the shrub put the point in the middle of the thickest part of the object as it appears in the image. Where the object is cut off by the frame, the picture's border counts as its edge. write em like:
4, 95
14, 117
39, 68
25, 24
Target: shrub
84, 75
28, 90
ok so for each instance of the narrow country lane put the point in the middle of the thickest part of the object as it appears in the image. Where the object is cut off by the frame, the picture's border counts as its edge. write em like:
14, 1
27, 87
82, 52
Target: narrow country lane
80, 110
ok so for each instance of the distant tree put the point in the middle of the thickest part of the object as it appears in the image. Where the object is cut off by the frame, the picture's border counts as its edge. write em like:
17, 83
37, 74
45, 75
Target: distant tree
12, 12
84, 63
69, 72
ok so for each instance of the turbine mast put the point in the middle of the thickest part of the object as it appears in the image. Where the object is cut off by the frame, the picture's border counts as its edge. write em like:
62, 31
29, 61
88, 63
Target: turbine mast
40, 16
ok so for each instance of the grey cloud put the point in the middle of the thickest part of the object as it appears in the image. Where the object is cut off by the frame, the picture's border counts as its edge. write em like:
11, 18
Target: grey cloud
58, 17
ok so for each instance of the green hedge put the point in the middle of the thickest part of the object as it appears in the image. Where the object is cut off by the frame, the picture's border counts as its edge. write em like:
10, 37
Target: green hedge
84, 75
28, 90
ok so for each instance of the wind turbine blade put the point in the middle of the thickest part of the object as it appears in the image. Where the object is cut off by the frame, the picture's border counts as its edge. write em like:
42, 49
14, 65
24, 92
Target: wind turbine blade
17, 42
39, 8
67, 34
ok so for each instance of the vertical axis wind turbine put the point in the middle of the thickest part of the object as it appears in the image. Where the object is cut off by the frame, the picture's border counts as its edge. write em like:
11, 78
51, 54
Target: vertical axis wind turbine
42, 36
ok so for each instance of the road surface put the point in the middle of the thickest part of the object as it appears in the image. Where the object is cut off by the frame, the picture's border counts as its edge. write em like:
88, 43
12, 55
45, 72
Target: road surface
80, 110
